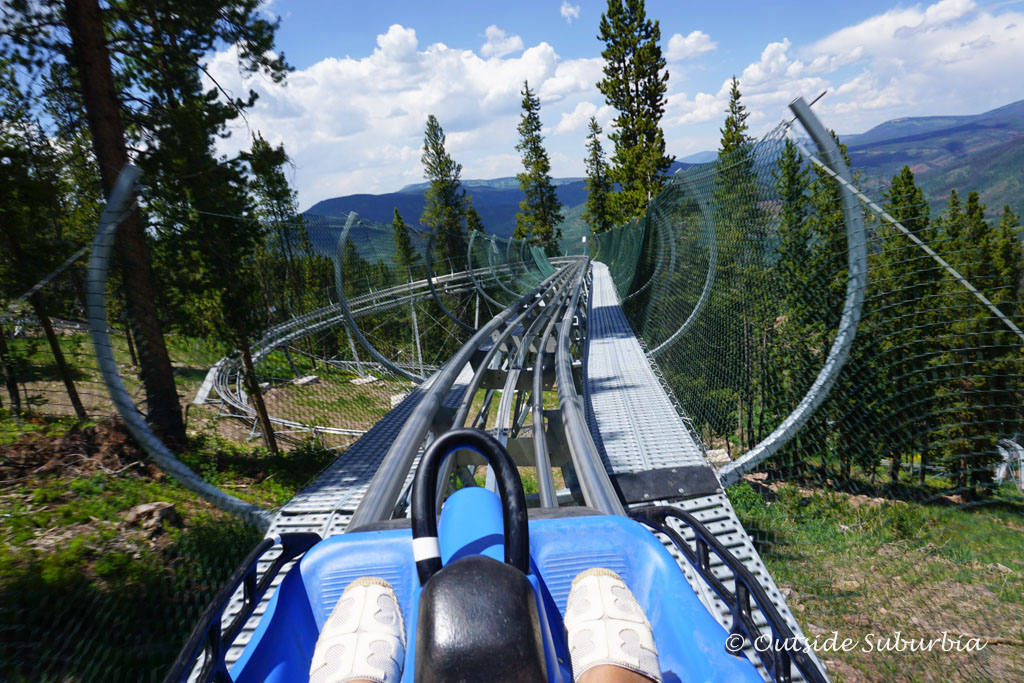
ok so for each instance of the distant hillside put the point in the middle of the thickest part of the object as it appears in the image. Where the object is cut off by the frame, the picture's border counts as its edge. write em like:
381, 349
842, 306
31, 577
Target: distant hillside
984, 152
699, 157
497, 206
494, 184
496, 200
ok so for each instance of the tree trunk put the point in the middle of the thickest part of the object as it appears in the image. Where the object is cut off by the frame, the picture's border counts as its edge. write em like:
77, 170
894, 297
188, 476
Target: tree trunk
253, 386
7, 366
747, 430
58, 357
36, 299
99, 95
131, 342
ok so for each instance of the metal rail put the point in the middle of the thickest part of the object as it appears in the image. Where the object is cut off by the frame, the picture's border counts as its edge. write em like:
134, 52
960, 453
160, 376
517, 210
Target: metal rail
386, 486
597, 488
783, 647
560, 285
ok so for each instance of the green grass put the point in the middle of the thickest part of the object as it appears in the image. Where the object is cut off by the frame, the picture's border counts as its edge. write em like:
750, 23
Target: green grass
13, 427
85, 596
862, 565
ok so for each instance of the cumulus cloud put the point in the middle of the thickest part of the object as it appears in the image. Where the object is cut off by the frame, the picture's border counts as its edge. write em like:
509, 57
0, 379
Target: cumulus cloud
355, 124
578, 118
570, 12
682, 47
950, 56
498, 44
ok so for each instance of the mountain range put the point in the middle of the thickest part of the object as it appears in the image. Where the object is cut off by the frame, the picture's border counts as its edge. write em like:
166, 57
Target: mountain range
496, 200
983, 152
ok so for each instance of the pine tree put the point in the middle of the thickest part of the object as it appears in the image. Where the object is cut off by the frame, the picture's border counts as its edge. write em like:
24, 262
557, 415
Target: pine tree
734, 131
201, 204
635, 82
598, 211
742, 237
287, 244
444, 200
790, 362
908, 281
122, 57
540, 211
406, 259
981, 355
473, 220
791, 183
1008, 260
30, 239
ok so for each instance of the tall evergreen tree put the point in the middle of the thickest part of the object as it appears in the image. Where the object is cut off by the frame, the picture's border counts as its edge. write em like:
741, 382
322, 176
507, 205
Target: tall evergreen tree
406, 259
473, 220
1008, 261
598, 211
30, 239
981, 355
908, 280
123, 56
635, 82
287, 245
790, 363
444, 200
734, 131
201, 205
742, 241
540, 211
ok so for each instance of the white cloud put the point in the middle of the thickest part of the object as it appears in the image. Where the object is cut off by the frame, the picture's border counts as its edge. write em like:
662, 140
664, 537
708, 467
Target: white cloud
682, 47
951, 56
575, 76
919, 60
579, 117
498, 44
569, 12
355, 124
704, 107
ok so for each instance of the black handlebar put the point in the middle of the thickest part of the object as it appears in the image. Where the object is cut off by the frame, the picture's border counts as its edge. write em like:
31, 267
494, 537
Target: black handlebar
426, 549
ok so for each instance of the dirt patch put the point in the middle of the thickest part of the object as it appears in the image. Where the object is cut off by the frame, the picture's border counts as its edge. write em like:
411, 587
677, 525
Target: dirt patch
105, 447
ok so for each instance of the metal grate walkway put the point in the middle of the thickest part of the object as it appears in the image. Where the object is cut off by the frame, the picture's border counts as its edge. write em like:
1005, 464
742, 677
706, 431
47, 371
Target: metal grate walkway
632, 419
636, 426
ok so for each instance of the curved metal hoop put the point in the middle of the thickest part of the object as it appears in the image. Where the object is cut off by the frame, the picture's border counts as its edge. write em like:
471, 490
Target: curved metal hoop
339, 282
857, 265
433, 290
709, 280
472, 275
96, 305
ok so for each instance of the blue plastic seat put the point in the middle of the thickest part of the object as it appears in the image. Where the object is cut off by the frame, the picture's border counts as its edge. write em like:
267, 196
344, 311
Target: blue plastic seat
691, 643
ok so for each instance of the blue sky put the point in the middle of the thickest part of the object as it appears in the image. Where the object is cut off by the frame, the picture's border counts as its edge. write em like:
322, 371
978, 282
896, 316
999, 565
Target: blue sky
368, 73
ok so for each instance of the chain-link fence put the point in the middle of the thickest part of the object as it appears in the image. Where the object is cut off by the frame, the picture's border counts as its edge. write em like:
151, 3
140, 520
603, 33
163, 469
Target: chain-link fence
897, 506
365, 313
107, 562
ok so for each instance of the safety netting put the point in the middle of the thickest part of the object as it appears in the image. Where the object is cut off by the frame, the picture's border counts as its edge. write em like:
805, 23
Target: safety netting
869, 419
107, 563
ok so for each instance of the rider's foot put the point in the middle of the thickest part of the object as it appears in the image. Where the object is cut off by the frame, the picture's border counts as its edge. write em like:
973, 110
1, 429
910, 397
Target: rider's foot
364, 638
608, 629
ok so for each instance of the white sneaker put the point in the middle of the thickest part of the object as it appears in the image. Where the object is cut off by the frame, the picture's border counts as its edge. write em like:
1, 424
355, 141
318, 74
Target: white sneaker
364, 638
606, 626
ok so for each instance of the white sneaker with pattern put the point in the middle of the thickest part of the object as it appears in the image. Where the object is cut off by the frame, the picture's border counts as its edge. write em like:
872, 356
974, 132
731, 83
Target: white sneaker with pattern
363, 639
606, 625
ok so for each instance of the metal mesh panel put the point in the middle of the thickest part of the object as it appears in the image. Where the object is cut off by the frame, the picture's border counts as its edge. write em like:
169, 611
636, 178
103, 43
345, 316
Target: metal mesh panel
895, 505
